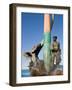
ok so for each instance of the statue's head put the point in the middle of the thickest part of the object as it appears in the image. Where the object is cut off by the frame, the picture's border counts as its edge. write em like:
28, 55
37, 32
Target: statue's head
54, 38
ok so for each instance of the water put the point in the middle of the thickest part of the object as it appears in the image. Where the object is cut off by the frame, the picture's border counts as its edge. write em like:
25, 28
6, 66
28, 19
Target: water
25, 73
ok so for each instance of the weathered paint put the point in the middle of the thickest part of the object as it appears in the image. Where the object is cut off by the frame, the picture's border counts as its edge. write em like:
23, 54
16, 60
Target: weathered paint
47, 51
47, 43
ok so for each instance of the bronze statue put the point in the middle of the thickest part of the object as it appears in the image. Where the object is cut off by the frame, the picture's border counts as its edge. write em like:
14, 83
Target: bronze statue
36, 65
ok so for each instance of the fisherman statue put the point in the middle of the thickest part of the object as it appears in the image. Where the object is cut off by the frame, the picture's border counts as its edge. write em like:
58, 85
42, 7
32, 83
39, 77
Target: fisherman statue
55, 51
36, 65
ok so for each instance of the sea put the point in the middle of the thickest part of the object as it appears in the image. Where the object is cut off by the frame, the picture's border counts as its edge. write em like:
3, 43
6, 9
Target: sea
25, 73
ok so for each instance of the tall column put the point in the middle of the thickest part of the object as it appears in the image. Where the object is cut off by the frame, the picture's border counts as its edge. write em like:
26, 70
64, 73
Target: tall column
47, 42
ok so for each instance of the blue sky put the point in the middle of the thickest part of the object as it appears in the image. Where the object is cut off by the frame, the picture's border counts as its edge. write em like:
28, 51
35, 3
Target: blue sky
32, 31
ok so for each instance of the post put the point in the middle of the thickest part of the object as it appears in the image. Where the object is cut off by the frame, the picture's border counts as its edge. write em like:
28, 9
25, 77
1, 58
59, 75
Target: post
47, 43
